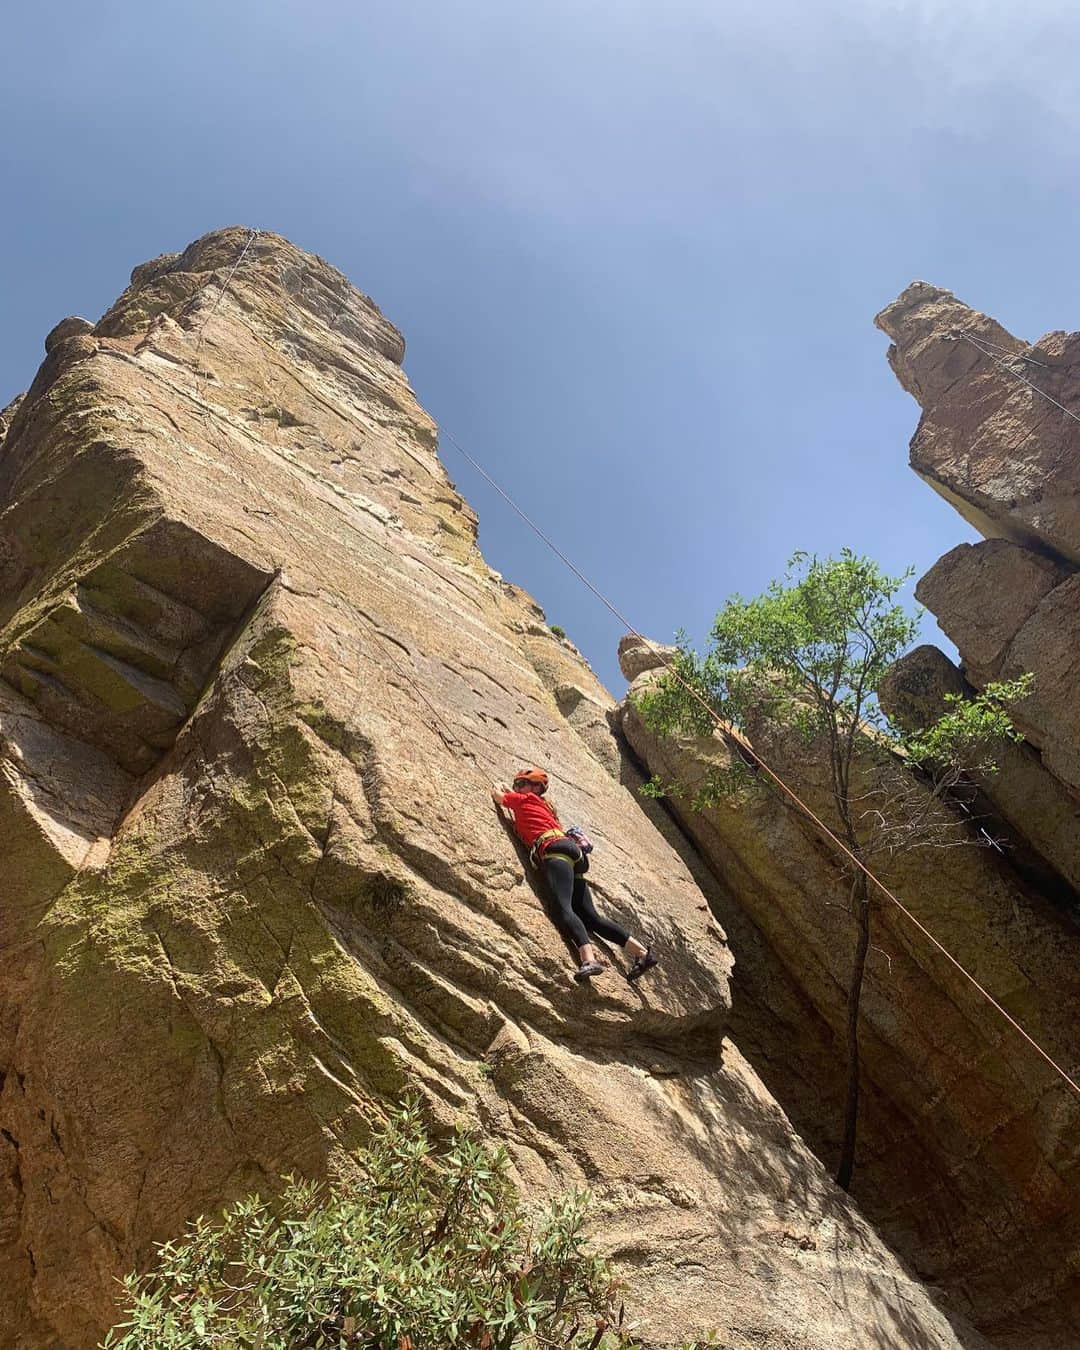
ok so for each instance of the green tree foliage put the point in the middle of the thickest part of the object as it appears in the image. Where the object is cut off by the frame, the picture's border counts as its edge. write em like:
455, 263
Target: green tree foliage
969, 735
422, 1251
807, 655
807, 658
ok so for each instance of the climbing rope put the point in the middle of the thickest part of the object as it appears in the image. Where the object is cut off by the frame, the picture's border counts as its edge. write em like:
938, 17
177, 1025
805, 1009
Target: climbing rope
959, 334
745, 748
228, 282
1013, 356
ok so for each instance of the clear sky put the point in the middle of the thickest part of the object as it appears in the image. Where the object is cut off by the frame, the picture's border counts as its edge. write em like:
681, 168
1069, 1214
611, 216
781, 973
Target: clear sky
636, 249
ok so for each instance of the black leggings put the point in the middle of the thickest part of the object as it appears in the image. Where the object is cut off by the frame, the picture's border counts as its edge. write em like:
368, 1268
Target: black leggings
574, 912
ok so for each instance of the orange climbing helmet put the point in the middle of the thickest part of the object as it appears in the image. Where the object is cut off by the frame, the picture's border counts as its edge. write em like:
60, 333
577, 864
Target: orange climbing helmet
535, 776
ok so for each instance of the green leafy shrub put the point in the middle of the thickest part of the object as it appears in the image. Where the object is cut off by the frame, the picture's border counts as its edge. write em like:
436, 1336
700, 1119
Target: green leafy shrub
972, 731
420, 1252
558, 630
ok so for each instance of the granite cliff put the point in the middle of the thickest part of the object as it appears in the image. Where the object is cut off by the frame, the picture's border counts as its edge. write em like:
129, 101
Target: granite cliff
970, 1147
256, 680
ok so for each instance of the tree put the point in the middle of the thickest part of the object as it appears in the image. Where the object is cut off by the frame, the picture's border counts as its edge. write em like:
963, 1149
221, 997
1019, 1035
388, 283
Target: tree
419, 1252
806, 659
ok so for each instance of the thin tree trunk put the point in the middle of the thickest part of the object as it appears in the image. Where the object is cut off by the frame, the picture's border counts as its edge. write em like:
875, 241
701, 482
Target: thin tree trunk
851, 1111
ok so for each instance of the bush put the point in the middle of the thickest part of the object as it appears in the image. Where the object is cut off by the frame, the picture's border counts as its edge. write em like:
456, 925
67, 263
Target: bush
971, 733
558, 630
420, 1252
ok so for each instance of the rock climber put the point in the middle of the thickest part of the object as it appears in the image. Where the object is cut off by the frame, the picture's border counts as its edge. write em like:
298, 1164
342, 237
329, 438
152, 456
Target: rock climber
563, 863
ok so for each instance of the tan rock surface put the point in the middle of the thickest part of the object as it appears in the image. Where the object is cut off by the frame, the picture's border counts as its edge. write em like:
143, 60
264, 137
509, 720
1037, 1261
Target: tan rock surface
983, 594
970, 1147
1008, 460
638, 654
1040, 810
258, 681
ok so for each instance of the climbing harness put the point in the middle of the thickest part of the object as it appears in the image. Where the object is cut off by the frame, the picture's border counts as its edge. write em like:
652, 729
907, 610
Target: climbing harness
540, 845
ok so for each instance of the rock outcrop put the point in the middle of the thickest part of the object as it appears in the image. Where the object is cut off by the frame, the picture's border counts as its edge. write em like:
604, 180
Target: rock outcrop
1000, 438
1007, 459
957, 1100
1040, 815
256, 680
969, 1146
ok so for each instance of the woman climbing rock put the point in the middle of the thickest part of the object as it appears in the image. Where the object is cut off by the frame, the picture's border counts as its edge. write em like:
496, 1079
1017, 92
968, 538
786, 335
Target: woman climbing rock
563, 864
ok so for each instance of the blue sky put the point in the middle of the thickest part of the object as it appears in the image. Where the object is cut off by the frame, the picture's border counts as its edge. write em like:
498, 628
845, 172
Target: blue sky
636, 250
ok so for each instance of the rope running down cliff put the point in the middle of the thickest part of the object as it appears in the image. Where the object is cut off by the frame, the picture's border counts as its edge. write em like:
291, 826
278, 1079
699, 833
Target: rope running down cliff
747, 749
744, 747
221, 294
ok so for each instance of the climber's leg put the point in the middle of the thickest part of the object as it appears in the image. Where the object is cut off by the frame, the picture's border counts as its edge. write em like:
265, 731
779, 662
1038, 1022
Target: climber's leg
643, 958
559, 872
585, 911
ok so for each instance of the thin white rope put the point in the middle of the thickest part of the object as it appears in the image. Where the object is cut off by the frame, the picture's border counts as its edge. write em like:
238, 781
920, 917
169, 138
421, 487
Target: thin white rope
967, 337
1013, 356
228, 281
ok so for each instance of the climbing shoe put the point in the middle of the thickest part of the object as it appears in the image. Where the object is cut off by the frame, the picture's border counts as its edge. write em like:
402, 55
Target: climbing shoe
643, 963
588, 969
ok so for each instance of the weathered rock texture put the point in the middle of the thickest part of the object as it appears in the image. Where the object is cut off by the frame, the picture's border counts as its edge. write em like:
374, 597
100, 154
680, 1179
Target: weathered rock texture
256, 682
1041, 815
1009, 460
970, 1148
1000, 438
969, 1145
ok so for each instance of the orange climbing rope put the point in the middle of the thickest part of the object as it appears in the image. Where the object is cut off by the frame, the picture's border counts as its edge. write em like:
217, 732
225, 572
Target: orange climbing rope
746, 748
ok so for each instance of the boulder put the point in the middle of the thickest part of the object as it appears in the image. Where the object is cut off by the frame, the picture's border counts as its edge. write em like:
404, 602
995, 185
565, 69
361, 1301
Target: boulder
1038, 810
983, 594
73, 326
638, 655
1005, 457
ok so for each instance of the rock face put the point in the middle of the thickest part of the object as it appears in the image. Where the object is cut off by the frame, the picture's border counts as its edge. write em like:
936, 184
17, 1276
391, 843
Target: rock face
1007, 459
998, 436
256, 681
1039, 811
957, 1101
969, 1146
993, 438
